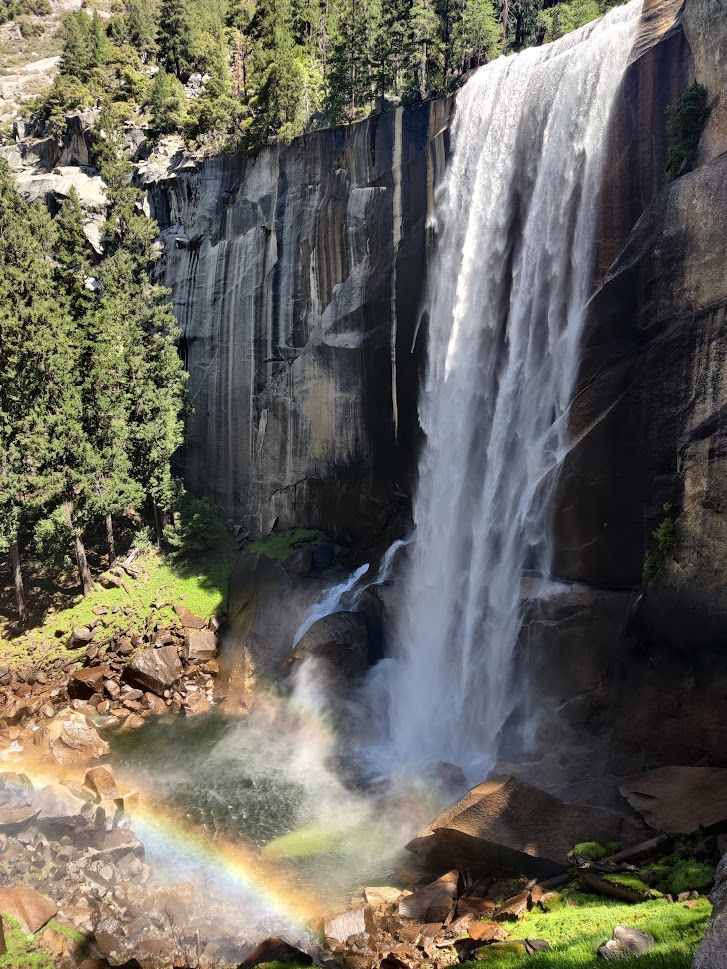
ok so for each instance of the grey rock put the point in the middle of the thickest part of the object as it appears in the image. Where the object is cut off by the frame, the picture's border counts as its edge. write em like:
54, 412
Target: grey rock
343, 926
155, 669
626, 942
200, 644
339, 641
710, 954
80, 636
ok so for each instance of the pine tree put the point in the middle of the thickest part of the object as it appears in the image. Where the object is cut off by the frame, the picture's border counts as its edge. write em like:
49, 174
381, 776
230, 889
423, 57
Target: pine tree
175, 37
142, 28
353, 29
425, 47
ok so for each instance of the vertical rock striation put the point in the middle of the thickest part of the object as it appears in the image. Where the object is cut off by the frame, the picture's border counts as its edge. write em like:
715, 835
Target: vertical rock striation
297, 278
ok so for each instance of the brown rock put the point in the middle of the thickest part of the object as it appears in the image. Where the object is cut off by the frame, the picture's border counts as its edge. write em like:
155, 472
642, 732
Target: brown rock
155, 704
100, 781
487, 931
433, 902
69, 740
340, 641
196, 704
678, 800
506, 820
82, 684
133, 722
200, 644
475, 906
155, 670
514, 908
80, 636
188, 619
382, 895
29, 908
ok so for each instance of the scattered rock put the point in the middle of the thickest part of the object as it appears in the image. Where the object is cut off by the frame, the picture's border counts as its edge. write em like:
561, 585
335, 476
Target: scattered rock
514, 908
60, 809
200, 644
81, 636
188, 619
100, 781
343, 926
82, 684
382, 895
196, 704
509, 822
678, 800
69, 740
487, 931
433, 902
29, 908
626, 942
155, 669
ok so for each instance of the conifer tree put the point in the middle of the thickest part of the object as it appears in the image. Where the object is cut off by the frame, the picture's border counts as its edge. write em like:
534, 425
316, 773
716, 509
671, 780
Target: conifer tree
175, 37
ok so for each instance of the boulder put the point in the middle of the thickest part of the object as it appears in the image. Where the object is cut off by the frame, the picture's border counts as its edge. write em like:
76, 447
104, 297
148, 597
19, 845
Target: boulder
100, 781
200, 644
29, 908
505, 821
154, 669
83, 683
343, 926
433, 902
487, 931
69, 740
188, 618
196, 704
678, 800
340, 641
16, 801
710, 954
275, 950
80, 636
626, 942
60, 809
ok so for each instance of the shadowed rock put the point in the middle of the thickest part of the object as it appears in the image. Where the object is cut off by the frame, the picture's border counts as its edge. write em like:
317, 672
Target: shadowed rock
29, 908
678, 800
505, 821
275, 950
154, 669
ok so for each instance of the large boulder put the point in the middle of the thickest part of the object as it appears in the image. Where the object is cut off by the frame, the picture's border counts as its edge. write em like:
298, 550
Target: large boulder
16, 801
505, 821
711, 952
678, 800
340, 641
154, 669
61, 810
70, 740
29, 908
200, 644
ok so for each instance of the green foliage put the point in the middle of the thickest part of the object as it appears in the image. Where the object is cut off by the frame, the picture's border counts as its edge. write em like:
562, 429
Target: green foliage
197, 527
582, 922
23, 952
666, 542
16, 9
685, 120
30, 28
634, 883
167, 104
589, 849
281, 545
689, 875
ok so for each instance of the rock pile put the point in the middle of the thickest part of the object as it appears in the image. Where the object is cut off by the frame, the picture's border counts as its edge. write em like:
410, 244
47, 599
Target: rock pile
111, 681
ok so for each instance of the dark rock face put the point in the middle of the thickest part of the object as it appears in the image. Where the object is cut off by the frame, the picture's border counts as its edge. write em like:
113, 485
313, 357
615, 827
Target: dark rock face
339, 642
298, 277
710, 954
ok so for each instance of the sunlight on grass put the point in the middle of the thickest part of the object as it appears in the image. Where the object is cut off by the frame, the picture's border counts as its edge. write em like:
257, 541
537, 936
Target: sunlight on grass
281, 545
578, 925
200, 584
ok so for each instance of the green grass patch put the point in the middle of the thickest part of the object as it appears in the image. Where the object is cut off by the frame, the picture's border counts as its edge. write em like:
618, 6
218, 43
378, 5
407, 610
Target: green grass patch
580, 923
199, 583
280, 545
23, 951
588, 849
634, 883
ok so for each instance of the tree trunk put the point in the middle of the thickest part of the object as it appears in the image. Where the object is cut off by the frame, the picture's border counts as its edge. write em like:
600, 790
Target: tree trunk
110, 539
84, 573
158, 524
505, 18
3, 946
18, 582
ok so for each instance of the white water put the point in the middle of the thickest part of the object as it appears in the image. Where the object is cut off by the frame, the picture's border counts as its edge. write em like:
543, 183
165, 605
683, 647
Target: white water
345, 597
515, 227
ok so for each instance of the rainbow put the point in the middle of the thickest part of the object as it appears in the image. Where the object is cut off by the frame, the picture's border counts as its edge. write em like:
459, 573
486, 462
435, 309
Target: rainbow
167, 830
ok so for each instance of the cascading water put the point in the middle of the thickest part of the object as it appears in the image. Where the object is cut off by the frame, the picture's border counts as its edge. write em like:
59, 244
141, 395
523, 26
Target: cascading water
515, 223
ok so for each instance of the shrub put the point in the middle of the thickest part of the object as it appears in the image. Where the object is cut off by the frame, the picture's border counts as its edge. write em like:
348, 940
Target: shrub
685, 120
167, 104
666, 542
30, 28
198, 527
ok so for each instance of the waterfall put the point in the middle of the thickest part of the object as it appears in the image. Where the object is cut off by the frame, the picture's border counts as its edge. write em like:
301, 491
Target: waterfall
515, 222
